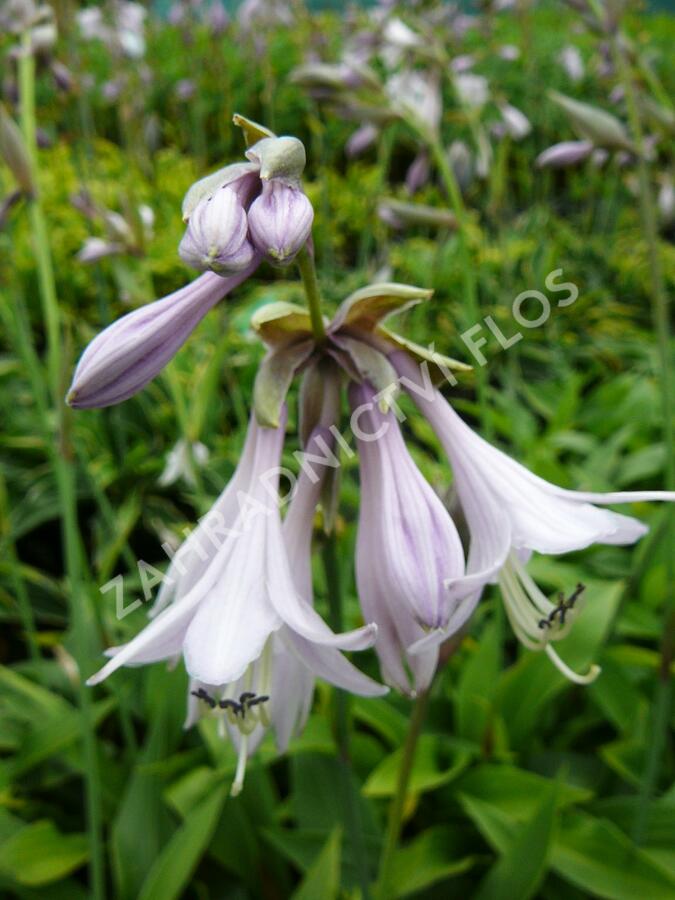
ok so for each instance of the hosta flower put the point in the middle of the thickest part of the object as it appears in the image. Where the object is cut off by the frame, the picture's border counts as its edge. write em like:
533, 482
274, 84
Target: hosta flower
219, 237
234, 587
132, 351
566, 153
276, 689
408, 548
511, 513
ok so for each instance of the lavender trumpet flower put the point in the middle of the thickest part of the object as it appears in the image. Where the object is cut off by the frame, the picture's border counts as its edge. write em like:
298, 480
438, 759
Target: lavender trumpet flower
276, 689
512, 513
229, 587
408, 548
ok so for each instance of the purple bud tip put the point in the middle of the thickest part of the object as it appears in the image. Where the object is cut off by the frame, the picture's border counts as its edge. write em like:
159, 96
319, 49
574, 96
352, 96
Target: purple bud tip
216, 235
280, 222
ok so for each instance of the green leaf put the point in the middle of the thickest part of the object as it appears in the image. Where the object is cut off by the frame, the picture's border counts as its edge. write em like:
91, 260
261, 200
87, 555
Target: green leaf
522, 867
593, 123
598, 858
39, 854
429, 771
322, 881
478, 684
173, 868
516, 792
431, 857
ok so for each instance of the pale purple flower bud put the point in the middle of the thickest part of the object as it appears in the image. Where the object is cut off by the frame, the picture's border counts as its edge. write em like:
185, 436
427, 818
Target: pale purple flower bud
567, 153
472, 90
280, 222
132, 351
185, 89
509, 52
571, 61
361, 139
516, 122
463, 63
216, 236
95, 248
218, 18
418, 173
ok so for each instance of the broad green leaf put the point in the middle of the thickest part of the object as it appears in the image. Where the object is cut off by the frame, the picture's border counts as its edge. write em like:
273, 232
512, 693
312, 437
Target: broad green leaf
430, 858
598, 858
172, 869
522, 867
431, 768
39, 854
382, 717
322, 881
478, 683
516, 792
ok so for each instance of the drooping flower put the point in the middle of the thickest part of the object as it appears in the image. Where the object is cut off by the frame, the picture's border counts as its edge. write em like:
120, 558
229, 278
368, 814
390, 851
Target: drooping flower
511, 513
237, 603
217, 235
234, 586
566, 153
280, 222
407, 549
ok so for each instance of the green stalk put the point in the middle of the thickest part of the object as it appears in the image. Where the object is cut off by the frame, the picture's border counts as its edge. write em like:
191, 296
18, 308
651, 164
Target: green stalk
57, 443
342, 721
310, 283
8, 547
663, 698
471, 305
395, 820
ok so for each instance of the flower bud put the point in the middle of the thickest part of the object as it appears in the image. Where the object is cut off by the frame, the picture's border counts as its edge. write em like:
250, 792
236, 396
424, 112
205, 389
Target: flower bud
280, 221
216, 235
567, 153
280, 158
242, 178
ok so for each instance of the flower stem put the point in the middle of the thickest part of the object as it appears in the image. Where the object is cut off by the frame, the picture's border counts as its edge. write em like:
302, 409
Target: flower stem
61, 457
395, 820
305, 262
471, 305
352, 812
663, 697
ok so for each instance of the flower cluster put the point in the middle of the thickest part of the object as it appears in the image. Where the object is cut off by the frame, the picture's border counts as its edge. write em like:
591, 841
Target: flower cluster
237, 600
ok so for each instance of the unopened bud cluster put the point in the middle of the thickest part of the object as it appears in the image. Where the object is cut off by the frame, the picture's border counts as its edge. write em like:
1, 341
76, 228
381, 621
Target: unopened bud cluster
249, 209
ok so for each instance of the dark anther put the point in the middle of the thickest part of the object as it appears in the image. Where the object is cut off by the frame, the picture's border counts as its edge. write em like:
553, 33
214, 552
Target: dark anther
563, 607
201, 694
232, 704
247, 695
262, 699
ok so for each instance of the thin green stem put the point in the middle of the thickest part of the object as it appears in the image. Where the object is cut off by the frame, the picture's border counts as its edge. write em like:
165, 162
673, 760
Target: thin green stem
8, 548
395, 820
307, 269
57, 442
663, 698
342, 717
471, 305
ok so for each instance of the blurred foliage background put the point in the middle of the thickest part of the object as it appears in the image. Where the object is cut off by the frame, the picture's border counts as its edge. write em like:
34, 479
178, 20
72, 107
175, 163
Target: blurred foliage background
523, 784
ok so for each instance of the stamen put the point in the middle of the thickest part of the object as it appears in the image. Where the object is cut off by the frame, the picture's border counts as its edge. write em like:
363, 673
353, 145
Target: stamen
588, 678
238, 782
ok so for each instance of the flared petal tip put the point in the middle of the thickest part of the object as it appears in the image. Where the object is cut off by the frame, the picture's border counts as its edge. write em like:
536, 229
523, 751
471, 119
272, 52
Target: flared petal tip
430, 640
